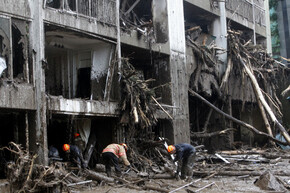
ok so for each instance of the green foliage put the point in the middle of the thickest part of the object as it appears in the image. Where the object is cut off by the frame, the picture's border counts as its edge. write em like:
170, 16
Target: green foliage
273, 4
274, 28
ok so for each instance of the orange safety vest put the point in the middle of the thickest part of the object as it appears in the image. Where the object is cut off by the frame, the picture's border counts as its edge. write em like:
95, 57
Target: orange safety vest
118, 150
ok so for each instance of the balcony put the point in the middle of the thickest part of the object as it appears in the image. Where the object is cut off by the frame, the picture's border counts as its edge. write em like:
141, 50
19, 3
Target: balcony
260, 17
242, 8
253, 11
103, 11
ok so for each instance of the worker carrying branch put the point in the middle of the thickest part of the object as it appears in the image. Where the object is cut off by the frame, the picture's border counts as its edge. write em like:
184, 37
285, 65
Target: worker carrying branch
75, 155
111, 155
185, 155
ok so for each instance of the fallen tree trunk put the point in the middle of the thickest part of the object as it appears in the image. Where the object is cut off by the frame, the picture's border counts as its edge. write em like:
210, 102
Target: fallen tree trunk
227, 73
285, 91
95, 176
162, 176
149, 187
246, 125
207, 135
261, 98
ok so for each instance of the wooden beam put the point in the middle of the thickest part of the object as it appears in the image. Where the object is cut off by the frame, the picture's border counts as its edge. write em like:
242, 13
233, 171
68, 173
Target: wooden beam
132, 7
246, 125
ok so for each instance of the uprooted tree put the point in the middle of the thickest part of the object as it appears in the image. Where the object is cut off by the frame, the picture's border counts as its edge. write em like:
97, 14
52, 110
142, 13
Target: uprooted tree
252, 59
244, 60
138, 117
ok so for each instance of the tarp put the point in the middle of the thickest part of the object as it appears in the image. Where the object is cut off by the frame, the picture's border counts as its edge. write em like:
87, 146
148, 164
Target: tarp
2, 65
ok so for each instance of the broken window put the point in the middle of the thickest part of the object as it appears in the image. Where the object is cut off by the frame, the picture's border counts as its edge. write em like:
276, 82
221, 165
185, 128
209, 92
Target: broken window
5, 49
18, 58
62, 4
13, 32
151, 65
20, 50
135, 13
78, 66
198, 25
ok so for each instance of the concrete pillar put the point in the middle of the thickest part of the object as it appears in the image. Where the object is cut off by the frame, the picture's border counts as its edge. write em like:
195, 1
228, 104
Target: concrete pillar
219, 30
268, 30
38, 131
178, 72
254, 39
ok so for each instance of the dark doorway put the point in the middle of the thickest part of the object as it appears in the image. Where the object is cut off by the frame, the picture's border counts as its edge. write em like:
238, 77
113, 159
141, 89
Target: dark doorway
84, 83
12, 129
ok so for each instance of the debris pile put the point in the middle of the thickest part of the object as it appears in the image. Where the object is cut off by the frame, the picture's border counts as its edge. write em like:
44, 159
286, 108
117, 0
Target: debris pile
137, 100
24, 175
253, 60
251, 76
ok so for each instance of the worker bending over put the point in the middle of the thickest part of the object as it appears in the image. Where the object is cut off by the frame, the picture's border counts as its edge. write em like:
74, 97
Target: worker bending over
185, 155
111, 155
75, 155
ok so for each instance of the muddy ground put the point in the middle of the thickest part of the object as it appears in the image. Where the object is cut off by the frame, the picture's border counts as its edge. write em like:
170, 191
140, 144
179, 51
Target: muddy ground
232, 177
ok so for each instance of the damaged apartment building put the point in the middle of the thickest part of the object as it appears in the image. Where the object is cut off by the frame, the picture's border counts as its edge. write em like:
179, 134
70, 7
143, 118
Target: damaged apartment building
61, 61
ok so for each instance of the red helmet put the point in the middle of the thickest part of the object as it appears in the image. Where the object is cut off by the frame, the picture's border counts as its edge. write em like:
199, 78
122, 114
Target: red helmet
76, 135
171, 149
65, 147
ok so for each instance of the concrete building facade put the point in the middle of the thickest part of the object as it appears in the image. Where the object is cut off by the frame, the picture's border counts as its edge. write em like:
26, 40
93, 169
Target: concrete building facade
61, 59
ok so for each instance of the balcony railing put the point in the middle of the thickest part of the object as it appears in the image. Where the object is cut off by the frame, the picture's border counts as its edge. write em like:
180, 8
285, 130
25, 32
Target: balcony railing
241, 7
101, 10
260, 17
250, 10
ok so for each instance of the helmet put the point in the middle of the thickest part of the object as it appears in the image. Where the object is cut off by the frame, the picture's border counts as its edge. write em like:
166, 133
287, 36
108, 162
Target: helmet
76, 135
125, 146
65, 147
171, 148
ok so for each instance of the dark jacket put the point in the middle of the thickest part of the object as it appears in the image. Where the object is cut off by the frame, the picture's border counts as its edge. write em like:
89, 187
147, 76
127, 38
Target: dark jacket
75, 152
76, 155
183, 150
53, 152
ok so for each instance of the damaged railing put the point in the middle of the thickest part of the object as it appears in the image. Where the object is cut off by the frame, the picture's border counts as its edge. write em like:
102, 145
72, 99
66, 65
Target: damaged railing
101, 10
242, 8
253, 11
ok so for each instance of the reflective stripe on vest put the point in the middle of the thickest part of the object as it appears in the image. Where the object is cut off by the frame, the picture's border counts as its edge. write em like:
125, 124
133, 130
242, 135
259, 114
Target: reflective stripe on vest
113, 150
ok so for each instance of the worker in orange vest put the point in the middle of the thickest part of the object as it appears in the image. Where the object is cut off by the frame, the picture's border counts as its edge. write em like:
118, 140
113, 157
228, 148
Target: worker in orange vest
111, 155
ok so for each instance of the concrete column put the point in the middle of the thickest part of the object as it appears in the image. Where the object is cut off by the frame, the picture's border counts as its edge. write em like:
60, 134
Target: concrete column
38, 131
268, 30
179, 80
254, 22
219, 30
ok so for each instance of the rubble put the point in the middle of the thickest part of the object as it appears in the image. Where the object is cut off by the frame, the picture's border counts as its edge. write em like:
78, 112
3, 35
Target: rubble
26, 176
267, 181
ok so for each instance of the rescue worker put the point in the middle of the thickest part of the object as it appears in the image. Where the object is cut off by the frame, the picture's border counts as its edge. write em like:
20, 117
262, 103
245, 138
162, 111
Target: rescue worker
75, 155
111, 155
185, 155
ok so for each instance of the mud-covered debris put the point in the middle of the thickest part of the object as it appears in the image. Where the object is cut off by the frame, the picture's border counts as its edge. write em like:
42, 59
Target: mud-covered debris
267, 181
